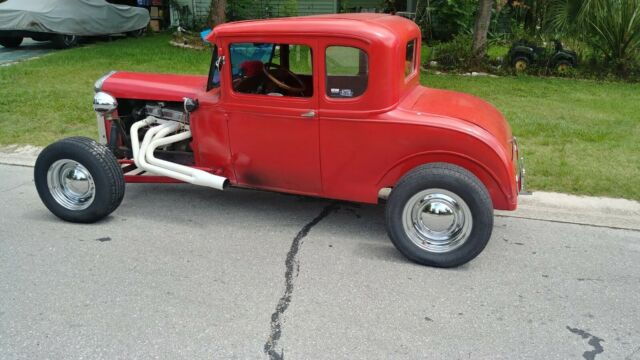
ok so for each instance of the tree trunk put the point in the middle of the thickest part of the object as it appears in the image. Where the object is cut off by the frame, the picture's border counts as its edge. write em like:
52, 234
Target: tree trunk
480, 30
218, 12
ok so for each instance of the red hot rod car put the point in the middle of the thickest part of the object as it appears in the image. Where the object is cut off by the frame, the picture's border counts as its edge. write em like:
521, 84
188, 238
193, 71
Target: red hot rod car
327, 106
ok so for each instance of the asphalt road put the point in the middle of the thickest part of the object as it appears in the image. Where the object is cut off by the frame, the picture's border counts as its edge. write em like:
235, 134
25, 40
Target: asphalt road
185, 272
28, 49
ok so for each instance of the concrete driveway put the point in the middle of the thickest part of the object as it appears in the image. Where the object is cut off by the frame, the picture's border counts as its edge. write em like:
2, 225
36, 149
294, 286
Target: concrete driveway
28, 49
185, 272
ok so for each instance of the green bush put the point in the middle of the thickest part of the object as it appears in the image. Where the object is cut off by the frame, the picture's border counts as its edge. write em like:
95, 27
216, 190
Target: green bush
455, 54
594, 66
610, 27
442, 20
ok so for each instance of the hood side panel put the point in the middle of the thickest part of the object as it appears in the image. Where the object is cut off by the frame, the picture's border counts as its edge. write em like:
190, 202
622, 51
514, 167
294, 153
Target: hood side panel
161, 87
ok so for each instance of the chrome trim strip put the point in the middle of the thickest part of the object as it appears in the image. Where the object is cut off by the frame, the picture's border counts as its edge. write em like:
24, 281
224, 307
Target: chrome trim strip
522, 171
97, 86
102, 130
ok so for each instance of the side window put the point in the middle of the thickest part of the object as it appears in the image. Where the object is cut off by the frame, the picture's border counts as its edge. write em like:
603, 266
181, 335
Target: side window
299, 58
410, 58
347, 71
271, 69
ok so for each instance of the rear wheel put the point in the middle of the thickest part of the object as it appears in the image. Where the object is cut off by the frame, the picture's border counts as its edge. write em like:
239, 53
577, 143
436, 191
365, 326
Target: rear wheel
439, 215
79, 180
137, 33
521, 63
11, 42
65, 41
563, 66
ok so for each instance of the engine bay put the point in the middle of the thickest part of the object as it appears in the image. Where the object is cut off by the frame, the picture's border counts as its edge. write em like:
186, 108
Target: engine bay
131, 111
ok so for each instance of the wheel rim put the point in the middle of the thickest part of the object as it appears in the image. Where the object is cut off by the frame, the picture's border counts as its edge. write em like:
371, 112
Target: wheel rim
69, 39
437, 220
521, 65
71, 184
562, 68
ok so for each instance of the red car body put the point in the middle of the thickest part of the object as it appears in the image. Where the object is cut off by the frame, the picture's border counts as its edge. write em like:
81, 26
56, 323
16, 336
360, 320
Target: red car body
351, 148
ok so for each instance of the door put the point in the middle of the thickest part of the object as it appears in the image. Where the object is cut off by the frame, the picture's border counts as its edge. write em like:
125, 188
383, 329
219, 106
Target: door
272, 114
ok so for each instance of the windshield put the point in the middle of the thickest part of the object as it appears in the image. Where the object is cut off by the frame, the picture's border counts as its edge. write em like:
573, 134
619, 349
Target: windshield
242, 52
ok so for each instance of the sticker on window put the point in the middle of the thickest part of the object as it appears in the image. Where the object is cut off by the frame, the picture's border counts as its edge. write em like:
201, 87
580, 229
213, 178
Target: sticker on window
346, 66
346, 93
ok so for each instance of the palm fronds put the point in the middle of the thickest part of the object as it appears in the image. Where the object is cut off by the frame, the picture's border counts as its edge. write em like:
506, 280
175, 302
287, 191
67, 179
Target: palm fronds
609, 26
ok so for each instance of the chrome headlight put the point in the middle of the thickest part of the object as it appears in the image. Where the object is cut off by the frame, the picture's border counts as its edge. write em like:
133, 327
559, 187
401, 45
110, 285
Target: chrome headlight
104, 103
98, 84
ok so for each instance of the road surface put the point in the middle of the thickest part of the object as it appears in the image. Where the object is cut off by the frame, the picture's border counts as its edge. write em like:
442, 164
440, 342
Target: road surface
28, 49
184, 272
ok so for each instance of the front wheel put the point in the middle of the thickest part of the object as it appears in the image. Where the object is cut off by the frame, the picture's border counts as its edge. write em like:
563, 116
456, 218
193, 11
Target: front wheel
11, 42
137, 33
79, 180
439, 215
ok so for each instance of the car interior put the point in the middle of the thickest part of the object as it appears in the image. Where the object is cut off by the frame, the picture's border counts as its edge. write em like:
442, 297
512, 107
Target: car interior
272, 69
286, 70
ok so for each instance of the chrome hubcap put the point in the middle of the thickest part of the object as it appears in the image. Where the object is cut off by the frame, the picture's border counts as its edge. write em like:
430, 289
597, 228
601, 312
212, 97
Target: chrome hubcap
437, 220
69, 39
71, 184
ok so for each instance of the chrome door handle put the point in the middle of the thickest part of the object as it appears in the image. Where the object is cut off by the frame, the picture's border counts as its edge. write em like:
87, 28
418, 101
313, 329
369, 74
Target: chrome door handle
309, 114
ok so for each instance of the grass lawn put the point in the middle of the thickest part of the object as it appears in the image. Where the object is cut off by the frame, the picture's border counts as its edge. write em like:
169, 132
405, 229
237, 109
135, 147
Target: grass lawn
49, 98
578, 136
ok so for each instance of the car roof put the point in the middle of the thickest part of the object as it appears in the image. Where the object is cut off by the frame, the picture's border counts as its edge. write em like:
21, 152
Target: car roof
368, 26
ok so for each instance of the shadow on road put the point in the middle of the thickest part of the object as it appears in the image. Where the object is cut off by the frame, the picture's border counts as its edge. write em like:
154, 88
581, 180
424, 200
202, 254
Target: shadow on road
180, 204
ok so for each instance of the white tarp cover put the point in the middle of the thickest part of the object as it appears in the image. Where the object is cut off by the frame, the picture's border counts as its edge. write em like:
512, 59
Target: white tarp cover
71, 17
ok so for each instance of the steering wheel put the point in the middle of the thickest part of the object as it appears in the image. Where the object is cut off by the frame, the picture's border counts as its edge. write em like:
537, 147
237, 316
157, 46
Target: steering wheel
272, 70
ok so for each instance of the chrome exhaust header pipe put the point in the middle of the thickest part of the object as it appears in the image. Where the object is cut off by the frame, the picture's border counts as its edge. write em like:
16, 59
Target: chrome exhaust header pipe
159, 136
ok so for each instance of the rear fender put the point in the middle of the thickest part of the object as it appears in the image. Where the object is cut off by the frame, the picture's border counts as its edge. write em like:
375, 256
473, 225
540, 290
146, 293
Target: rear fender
563, 56
498, 182
523, 51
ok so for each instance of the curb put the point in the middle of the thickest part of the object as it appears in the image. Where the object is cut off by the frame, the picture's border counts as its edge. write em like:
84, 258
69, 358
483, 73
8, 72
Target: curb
582, 210
546, 206
21, 155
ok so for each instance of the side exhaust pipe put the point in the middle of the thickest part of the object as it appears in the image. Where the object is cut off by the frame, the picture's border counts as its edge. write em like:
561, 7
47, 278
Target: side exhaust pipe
158, 136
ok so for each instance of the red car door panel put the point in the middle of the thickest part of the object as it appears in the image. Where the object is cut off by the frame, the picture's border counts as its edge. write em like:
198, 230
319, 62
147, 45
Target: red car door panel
274, 139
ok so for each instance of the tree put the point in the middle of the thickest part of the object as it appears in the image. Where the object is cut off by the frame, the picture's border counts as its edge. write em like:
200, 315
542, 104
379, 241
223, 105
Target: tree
289, 8
217, 12
480, 30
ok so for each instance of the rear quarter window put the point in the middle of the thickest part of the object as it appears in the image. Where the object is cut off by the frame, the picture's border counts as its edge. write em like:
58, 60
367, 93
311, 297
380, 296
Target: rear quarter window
410, 58
347, 71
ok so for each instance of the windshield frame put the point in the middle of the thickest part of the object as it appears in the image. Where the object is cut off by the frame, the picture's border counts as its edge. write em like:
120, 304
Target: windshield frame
213, 69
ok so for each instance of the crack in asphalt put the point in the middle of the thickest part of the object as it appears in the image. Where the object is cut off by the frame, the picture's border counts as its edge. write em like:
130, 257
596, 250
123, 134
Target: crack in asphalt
12, 164
593, 341
292, 265
566, 222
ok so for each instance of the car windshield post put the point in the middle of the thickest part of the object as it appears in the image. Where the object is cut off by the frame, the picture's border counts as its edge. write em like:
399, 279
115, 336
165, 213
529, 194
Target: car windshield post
214, 73
273, 53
